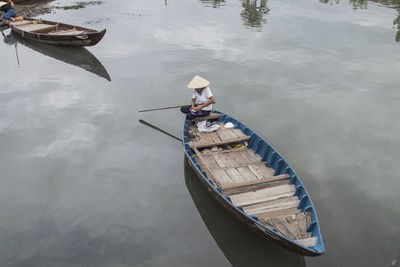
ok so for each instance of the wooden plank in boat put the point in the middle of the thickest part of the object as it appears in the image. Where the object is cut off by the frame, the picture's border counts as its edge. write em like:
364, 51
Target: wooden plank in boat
301, 219
221, 176
63, 31
68, 32
243, 189
271, 204
207, 170
23, 22
277, 226
256, 171
289, 229
258, 181
228, 133
264, 171
265, 199
282, 206
210, 162
246, 173
212, 116
282, 226
220, 143
263, 195
235, 175
220, 160
308, 218
198, 139
293, 225
234, 164
239, 158
229, 160
251, 155
308, 242
35, 27
232, 159
204, 138
215, 137
265, 216
225, 151
283, 203
296, 221
235, 133
238, 132
222, 135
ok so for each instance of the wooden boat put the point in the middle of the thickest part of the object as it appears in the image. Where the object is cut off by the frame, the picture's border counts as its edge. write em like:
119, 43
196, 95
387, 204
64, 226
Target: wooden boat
251, 180
55, 33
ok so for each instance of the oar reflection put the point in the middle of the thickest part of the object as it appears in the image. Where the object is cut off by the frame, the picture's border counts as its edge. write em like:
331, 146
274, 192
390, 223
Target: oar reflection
160, 130
9, 40
240, 246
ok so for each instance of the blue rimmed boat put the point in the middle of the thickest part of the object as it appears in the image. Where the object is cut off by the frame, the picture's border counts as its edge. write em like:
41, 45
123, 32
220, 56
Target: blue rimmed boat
251, 180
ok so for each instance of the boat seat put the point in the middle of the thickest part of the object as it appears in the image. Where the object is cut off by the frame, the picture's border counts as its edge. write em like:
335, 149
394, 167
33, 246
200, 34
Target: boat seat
222, 136
273, 205
212, 116
20, 23
220, 143
257, 184
36, 27
263, 195
68, 32
284, 212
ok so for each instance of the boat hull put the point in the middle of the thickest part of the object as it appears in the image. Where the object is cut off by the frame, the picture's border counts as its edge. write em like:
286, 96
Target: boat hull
88, 39
243, 218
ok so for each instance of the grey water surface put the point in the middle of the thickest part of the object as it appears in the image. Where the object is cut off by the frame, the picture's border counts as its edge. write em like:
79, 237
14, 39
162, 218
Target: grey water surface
84, 183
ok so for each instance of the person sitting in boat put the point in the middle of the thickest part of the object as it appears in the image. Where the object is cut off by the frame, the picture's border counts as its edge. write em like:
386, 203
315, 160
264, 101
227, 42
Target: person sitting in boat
7, 11
202, 98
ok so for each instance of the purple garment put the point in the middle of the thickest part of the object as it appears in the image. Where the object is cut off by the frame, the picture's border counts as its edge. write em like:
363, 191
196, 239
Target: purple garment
198, 113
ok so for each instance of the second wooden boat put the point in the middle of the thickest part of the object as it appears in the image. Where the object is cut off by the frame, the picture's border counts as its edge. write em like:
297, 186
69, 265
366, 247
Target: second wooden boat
55, 33
252, 181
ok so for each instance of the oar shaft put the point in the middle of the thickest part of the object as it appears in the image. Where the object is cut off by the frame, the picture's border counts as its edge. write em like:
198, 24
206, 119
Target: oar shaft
154, 109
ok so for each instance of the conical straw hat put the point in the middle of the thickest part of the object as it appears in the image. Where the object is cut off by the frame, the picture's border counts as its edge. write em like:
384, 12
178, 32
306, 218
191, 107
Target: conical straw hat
198, 82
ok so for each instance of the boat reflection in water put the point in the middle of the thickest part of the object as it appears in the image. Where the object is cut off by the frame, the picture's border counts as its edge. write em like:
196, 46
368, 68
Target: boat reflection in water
214, 3
77, 56
241, 246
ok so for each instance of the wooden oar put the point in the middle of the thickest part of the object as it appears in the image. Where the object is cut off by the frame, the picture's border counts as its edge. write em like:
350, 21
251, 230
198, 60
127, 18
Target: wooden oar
154, 109
160, 130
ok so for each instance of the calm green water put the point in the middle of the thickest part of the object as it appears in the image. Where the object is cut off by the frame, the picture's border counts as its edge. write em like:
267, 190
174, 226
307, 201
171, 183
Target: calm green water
83, 183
